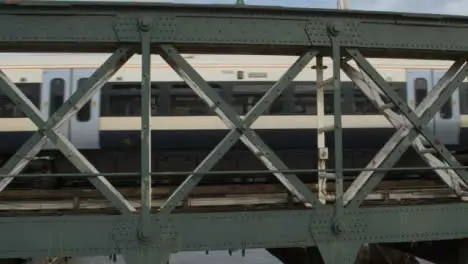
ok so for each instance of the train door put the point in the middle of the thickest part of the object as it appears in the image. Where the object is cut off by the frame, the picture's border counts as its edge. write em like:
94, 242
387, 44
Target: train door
446, 123
418, 85
84, 126
447, 120
55, 90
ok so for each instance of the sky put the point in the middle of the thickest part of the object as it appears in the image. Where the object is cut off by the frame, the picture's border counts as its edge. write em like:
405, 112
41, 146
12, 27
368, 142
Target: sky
458, 7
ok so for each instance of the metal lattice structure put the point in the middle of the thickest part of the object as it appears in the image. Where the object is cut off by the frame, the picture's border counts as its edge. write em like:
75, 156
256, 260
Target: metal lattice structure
337, 229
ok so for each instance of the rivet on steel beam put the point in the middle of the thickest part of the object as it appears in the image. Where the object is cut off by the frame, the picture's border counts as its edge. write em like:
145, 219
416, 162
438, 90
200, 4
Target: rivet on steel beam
143, 238
337, 228
145, 23
335, 28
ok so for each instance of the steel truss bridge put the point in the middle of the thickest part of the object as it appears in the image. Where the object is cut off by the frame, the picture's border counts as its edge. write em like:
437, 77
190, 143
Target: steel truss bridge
337, 226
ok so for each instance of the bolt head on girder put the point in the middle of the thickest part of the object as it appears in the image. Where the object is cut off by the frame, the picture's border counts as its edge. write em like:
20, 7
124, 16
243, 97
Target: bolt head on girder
335, 28
145, 23
337, 227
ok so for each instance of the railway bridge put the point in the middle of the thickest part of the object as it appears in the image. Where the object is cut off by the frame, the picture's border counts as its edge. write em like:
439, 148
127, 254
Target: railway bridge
332, 220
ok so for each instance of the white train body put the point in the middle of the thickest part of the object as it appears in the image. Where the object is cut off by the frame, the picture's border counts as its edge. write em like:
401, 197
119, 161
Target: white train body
243, 74
29, 68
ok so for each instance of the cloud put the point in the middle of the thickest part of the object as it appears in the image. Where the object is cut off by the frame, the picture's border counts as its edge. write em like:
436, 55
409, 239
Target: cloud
456, 7
380, 5
459, 7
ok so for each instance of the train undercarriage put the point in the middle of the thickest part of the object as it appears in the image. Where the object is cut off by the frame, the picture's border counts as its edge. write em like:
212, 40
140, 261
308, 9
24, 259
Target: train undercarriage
230, 170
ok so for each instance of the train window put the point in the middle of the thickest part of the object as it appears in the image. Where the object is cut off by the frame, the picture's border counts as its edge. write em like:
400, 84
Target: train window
446, 110
278, 106
84, 114
463, 98
245, 101
57, 94
182, 105
420, 88
124, 99
124, 105
8, 109
306, 103
363, 105
400, 88
240, 75
129, 105
184, 102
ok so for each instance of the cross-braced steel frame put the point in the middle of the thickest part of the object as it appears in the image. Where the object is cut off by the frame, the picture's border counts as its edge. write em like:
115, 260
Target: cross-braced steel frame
149, 235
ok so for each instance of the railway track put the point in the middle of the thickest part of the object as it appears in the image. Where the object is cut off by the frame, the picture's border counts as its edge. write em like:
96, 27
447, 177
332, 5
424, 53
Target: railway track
214, 197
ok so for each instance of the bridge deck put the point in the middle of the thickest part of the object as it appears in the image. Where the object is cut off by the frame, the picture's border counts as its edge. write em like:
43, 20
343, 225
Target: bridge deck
337, 228
227, 197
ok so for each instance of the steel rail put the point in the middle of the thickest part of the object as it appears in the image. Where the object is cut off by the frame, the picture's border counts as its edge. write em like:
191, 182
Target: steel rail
206, 190
224, 201
240, 172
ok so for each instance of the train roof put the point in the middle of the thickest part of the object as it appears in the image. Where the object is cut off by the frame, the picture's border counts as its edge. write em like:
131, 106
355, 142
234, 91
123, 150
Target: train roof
70, 60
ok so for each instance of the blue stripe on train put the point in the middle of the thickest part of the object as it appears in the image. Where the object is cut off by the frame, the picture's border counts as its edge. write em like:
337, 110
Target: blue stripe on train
206, 140
276, 139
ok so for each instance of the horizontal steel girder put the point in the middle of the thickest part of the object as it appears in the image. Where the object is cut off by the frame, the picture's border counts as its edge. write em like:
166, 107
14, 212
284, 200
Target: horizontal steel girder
67, 26
115, 234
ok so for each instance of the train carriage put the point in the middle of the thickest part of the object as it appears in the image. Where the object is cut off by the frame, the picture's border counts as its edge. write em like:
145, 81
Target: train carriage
183, 127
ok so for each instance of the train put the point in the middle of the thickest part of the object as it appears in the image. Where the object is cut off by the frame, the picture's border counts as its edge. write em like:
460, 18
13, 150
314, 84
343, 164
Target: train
184, 129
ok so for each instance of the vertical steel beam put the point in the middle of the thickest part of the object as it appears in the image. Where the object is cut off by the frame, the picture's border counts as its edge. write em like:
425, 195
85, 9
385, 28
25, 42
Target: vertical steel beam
239, 128
338, 131
47, 129
321, 130
155, 256
145, 210
339, 251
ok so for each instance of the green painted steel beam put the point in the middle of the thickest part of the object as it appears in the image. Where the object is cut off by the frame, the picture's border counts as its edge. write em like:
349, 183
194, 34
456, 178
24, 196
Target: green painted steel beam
419, 119
115, 234
47, 128
240, 128
175, 29
144, 233
67, 26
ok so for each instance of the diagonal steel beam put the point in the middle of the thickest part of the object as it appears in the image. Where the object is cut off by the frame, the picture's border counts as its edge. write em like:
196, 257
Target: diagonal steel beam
390, 153
372, 91
47, 128
239, 128
403, 138
147, 254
